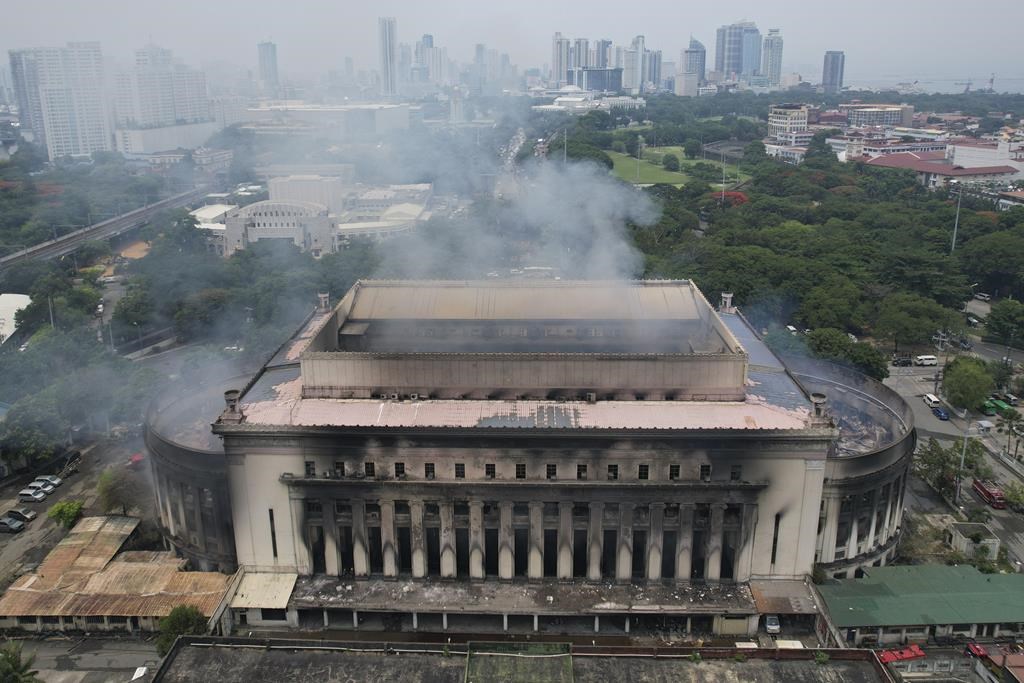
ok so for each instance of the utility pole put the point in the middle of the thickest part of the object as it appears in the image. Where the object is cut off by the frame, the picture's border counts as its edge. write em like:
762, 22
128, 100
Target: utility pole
49, 301
956, 223
565, 146
963, 457
723, 177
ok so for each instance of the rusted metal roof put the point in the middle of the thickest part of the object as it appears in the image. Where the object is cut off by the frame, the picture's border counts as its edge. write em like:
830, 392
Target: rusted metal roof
81, 577
525, 300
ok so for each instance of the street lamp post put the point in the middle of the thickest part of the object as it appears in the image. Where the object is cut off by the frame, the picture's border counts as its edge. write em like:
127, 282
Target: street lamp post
956, 222
963, 457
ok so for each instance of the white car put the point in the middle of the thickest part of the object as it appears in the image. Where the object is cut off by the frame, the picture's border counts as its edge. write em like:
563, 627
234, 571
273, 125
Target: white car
44, 486
772, 624
31, 496
52, 479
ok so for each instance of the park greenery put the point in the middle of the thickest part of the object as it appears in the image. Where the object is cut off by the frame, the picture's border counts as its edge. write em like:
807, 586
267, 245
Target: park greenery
967, 382
66, 513
15, 666
938, 465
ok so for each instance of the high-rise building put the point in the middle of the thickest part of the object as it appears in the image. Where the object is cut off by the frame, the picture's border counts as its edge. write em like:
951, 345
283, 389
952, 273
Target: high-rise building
388, 44
602, 54
581, 53
738, 51
158, 92
652, 68
771, 57
269, 82
61, 98
832, 73
561, 56
694, 60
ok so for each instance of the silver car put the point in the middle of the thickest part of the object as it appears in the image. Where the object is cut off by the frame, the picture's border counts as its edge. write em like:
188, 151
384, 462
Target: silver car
44, 486
52, 479
31, 496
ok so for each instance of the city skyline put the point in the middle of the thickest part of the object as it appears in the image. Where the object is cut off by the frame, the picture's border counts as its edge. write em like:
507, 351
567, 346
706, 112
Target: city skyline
309, 48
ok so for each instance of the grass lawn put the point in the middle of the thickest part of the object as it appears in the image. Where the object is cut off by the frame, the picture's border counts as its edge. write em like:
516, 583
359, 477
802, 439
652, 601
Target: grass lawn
625, 168
499, 662
654, 154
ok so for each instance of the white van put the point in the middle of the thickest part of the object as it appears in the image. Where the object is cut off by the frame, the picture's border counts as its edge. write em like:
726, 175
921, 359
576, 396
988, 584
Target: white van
926, 360
932, 400
983, 297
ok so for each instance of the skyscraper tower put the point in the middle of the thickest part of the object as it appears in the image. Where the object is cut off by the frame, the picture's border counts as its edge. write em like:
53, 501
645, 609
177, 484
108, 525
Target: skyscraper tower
388, 43
268, 68
771, 57
694, 60
738, 50
603, 51
561, 55
581, 53
61, 98
832, 73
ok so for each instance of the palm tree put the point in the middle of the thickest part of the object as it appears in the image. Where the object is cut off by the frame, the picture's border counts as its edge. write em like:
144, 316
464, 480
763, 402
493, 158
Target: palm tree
1009, 420
14, 668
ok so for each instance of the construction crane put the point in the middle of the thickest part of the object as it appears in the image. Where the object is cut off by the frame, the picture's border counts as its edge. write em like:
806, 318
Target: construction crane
967, 84
992, 83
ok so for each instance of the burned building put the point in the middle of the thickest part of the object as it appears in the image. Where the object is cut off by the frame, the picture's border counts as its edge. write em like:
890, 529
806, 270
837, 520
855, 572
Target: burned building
539, 449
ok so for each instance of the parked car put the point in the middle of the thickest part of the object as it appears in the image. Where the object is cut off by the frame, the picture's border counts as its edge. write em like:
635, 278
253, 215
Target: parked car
44, 486
31, 496
940, 413
23, 515
902, 362
56, 481
772, 624
9, 525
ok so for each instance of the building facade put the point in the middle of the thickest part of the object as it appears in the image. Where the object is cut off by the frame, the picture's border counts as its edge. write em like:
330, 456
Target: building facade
832, 72
771, 58
547, 432
387, 44
784, 119
269, 82
738, 50
694, 60
308, 226
158, 92
61, 99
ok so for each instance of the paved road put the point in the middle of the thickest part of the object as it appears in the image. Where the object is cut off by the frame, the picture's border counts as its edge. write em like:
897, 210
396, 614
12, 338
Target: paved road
68, 243
90, 660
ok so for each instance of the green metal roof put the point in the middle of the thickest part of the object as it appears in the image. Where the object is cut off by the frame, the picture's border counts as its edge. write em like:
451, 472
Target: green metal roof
925, 594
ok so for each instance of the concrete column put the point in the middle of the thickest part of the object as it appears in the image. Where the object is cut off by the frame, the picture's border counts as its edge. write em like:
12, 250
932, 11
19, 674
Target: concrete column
355, 620
303, 556
332, 564
387, 538
713, 556
448, 566
476, 539
565, 540
444, 621
416, 539
415, 621
360, 557
327, 621
886, 523
627, 624
745, 556
506, 543
597, 624
655, 541
197, 510
830, 532
851, 542
595, 540
504, 622
684, 542
535, 565
536, 623
624, 553
874, 517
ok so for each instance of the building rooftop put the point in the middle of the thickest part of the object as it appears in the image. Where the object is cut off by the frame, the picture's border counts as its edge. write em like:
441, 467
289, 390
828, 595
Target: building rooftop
264, 591
84, 577
925, 594
922, 163
211, 212
242, 660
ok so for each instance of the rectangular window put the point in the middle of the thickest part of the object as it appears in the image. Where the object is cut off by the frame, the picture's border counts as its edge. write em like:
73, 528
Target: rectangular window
399, 470
643, 471
313, 507
489, 470
267, 614
520, 470
705, 472
551, 471
273, 534
613, 472
581, 472
310, 468
339, 468
673, 472
428, 470
460, 470
369, 469
736, 473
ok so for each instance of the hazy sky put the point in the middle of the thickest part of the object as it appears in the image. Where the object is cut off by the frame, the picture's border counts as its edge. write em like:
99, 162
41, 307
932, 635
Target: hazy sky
883, 40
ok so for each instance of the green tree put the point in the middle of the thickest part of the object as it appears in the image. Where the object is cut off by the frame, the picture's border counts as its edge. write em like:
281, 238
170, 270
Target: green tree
966, 382
913, 319
115, 489
184, 620
670, 162
938, 465
692, 148
66, 512
1005, 321
1010, 421
15, 667
1013, 492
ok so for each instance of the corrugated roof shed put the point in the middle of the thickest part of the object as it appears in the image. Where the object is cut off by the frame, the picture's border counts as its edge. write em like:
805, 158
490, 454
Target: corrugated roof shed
266, 591
923, 595
81, 577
